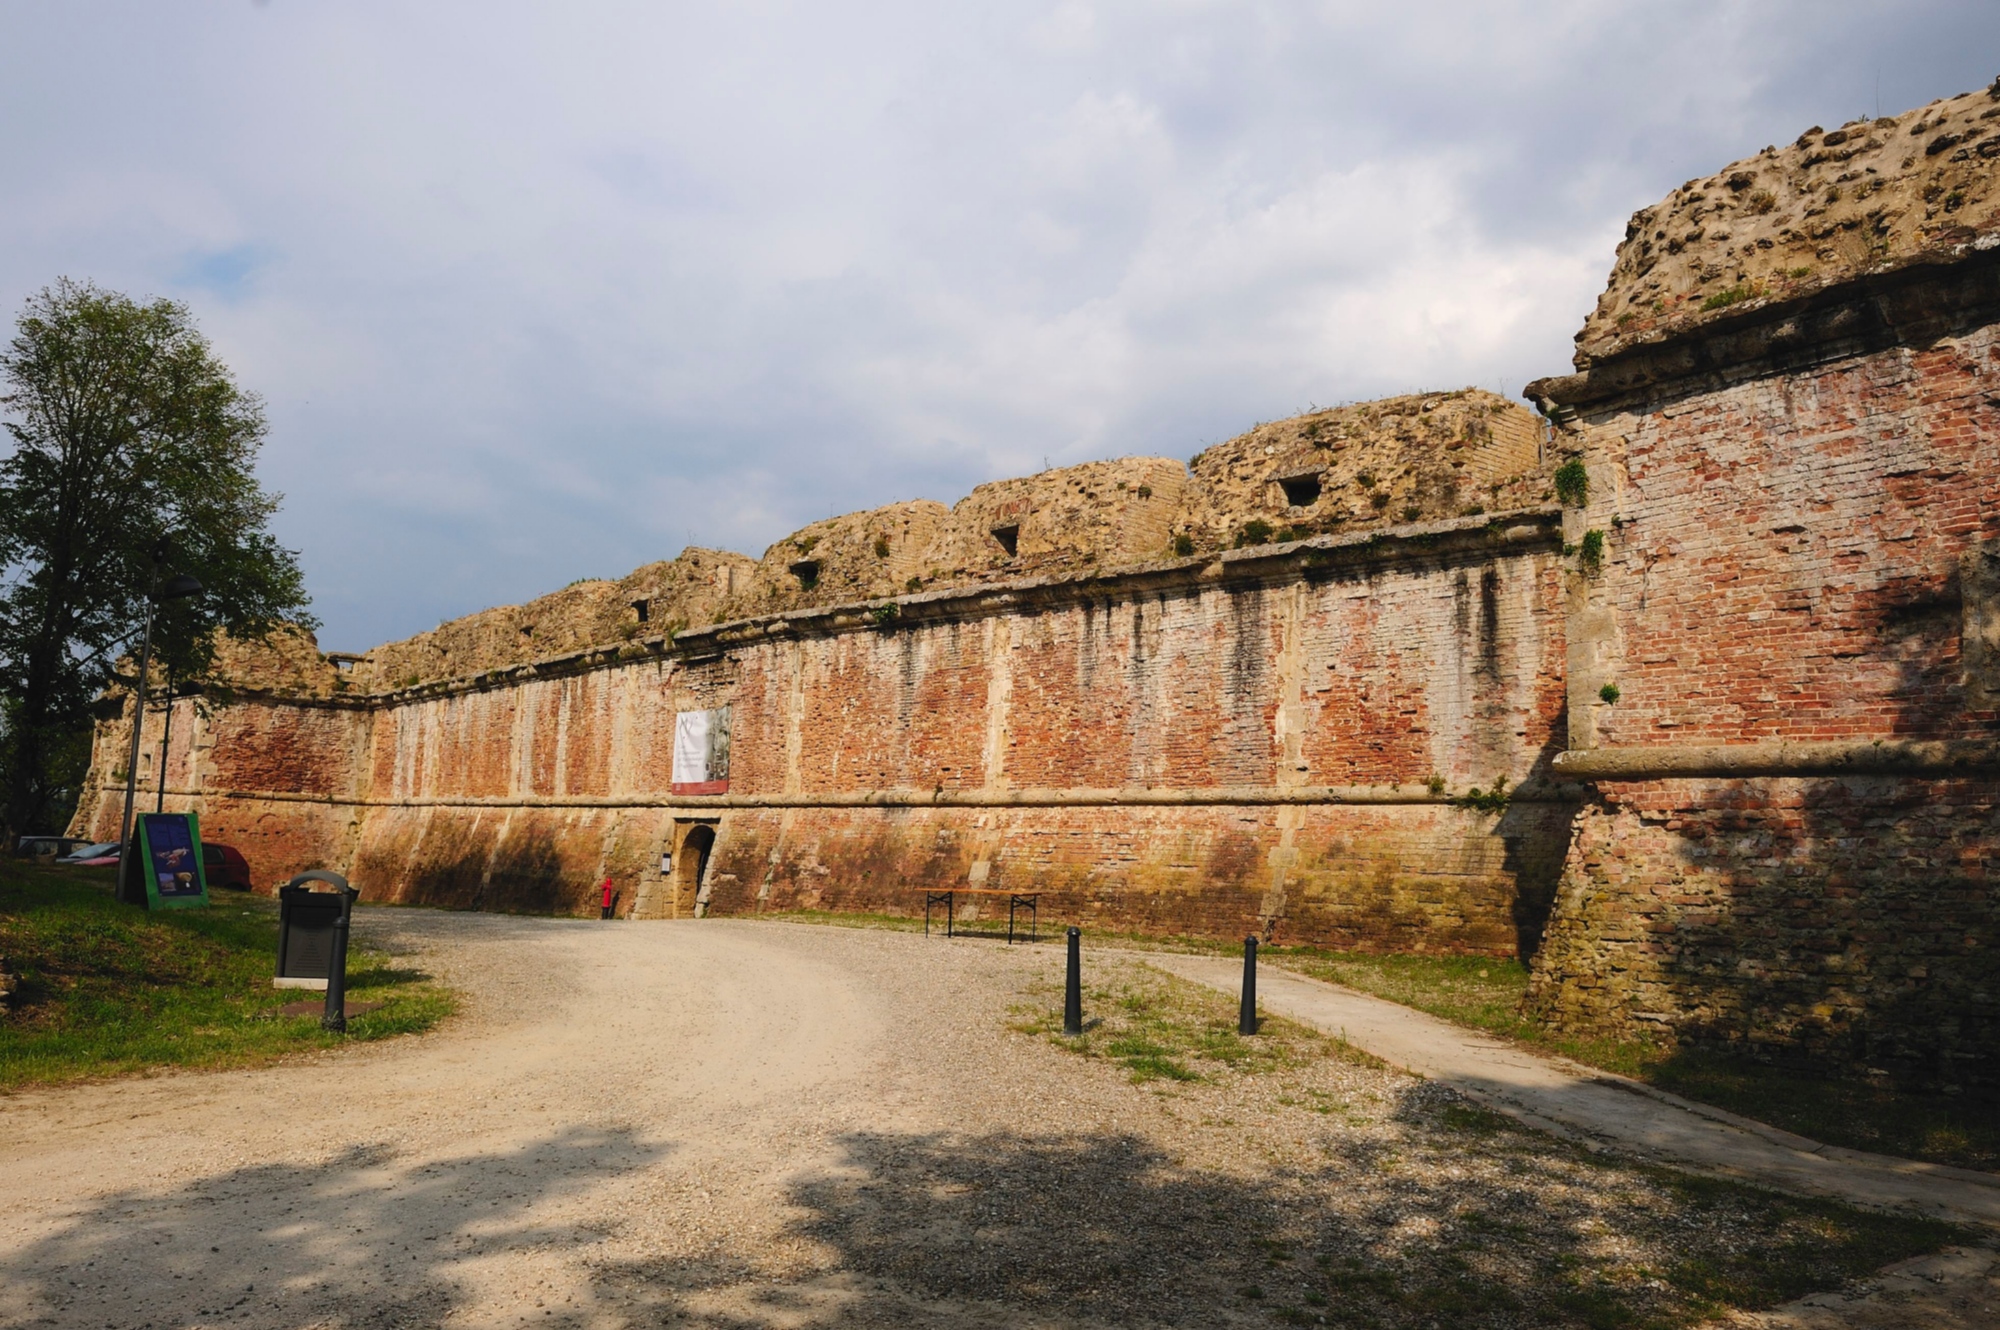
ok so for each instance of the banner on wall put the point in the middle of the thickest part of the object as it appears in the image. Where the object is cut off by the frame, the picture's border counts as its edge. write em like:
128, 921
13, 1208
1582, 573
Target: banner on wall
701, 752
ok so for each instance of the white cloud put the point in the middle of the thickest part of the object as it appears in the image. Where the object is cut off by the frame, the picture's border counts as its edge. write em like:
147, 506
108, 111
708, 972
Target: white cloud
540, 292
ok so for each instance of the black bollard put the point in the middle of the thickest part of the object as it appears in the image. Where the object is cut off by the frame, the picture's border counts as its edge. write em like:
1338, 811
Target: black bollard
1073, 986
1246, 1018
335, 1017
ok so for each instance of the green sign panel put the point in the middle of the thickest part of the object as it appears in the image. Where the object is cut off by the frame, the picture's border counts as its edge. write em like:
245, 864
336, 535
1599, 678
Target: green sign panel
170, 860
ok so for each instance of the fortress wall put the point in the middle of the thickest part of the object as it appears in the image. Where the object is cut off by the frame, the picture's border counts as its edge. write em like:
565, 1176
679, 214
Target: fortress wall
309, 752
1784, 553
1272, 741
1379, 679
1799, 803
1420, 877
1825, 921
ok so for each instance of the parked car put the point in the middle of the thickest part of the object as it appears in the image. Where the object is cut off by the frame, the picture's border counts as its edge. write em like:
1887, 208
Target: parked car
45, 847
94, 855
225, 866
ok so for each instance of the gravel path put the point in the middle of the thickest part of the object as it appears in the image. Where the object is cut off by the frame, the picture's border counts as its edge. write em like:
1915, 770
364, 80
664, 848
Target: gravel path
732, 1124
1562, 1096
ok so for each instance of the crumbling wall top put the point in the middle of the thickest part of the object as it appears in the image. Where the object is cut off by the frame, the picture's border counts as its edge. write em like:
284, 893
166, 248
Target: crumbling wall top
1400, 459
1869, 197
852, 557
659, 597
1406, 459
1072, 518
288, 661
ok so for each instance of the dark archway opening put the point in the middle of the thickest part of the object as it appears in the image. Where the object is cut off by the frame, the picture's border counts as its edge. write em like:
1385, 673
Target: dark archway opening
691, 871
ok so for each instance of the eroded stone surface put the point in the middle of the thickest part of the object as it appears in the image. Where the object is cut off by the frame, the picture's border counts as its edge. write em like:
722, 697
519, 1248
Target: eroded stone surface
1868, 197
1373, 464
689, 589
1376, 464
1100, 515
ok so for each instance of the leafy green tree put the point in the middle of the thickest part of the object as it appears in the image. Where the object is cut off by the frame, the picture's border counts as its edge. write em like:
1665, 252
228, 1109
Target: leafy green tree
132, 455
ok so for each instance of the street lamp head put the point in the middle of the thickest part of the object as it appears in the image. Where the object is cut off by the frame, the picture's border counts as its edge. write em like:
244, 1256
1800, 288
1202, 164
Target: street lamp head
178, 587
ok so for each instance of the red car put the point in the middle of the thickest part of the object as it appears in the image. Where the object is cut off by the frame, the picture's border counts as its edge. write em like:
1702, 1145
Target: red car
224, 866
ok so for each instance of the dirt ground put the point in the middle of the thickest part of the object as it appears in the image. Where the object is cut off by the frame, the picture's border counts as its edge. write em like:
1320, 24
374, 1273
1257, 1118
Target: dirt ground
733, 1124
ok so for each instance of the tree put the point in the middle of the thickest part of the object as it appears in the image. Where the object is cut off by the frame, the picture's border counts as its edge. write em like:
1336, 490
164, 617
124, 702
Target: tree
132, 450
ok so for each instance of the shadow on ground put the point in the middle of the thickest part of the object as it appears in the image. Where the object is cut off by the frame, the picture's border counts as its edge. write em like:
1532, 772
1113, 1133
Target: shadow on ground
1110, 1228
1458, 1218
361, 1239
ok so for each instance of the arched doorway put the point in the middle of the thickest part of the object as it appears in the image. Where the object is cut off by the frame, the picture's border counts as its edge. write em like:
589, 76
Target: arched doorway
691, 872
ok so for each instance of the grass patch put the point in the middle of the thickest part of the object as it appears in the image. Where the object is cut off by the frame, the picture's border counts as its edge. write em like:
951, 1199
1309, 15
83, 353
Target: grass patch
1724, 299
1162, 1028
107, 989
1961, 1129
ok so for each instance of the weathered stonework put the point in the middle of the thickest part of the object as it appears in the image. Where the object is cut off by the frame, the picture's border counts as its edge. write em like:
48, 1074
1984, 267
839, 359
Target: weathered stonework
1273, 739
1869, 198
1373, 464
694, 588
1781, 671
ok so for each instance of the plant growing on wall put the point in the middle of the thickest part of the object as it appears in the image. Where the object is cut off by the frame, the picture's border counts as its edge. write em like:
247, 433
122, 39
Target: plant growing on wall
1486, 801
1609, 693
1590, 554
1573, 483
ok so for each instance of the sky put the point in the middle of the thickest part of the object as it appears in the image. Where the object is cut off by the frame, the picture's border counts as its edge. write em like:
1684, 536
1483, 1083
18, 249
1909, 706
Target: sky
541, 292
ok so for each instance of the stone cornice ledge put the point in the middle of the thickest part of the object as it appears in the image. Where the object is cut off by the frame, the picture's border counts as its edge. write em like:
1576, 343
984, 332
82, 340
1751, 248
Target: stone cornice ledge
1484, 534
1880, 757
1123, 797
1918, 298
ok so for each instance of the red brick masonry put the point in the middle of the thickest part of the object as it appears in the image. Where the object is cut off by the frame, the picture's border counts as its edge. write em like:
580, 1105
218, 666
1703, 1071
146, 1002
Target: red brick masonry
1273, 741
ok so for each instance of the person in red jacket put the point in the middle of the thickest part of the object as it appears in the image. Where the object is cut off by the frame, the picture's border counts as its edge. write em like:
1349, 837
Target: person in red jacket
610, 899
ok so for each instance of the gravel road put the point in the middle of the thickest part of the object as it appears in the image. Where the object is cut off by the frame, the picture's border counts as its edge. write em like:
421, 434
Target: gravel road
736, 1123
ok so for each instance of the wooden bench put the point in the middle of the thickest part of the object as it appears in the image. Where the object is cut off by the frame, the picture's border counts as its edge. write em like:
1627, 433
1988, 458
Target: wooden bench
1016, 900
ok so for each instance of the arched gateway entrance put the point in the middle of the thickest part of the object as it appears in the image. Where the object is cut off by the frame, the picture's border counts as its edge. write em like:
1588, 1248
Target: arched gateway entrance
691, 872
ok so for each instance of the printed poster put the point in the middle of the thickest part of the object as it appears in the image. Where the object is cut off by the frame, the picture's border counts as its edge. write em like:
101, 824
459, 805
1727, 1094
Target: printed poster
701, 752
170, 844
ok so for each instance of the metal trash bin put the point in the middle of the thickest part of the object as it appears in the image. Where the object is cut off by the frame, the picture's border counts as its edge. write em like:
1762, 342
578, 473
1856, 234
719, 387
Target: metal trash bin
307, 922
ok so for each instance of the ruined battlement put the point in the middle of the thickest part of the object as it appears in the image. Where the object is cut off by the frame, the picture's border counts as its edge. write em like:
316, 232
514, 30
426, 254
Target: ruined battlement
1866, 200
1373, 465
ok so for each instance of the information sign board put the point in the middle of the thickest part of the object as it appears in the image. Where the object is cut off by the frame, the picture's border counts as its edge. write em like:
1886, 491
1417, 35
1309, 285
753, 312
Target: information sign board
170, 860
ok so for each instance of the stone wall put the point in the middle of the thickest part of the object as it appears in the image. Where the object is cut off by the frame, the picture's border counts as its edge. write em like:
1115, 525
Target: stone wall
1779, 683
1833, 208
1274, 739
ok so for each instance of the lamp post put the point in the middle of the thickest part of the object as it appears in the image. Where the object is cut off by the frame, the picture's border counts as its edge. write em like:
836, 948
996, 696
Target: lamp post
177, 587
166, 743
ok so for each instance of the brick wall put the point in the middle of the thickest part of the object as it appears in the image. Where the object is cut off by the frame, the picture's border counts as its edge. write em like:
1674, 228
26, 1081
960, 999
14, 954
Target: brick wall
1796, 785
1401, 671
1844, 922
